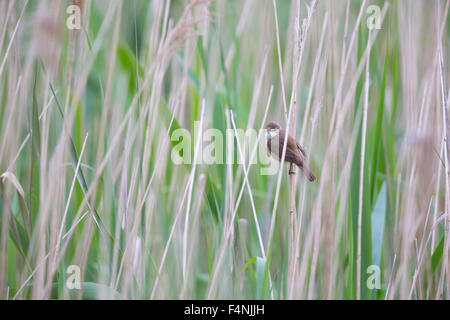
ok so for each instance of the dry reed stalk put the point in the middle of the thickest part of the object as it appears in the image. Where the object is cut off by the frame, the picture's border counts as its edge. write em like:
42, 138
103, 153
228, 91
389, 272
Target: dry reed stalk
361, 177
292, 212
446, 129
280, 65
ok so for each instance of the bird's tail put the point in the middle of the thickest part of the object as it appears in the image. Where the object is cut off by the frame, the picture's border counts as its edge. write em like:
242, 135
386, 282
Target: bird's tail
311, 177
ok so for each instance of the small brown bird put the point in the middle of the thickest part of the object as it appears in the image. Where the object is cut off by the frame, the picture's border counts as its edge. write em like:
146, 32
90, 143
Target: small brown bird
294, 151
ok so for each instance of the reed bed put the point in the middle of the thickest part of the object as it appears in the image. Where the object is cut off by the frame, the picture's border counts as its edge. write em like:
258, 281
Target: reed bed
88, 181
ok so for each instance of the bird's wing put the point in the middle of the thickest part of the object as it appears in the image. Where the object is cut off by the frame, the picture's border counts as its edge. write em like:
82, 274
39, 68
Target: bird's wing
301, 149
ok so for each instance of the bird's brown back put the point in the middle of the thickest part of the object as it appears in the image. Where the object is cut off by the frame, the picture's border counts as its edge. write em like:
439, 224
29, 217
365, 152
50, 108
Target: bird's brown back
292, 151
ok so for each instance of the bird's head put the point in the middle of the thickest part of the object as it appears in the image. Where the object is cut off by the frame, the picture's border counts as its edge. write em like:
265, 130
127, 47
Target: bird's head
272, 129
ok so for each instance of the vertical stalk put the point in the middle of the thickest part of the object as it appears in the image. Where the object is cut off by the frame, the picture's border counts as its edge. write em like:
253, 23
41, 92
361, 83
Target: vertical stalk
361, 181
292, 184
